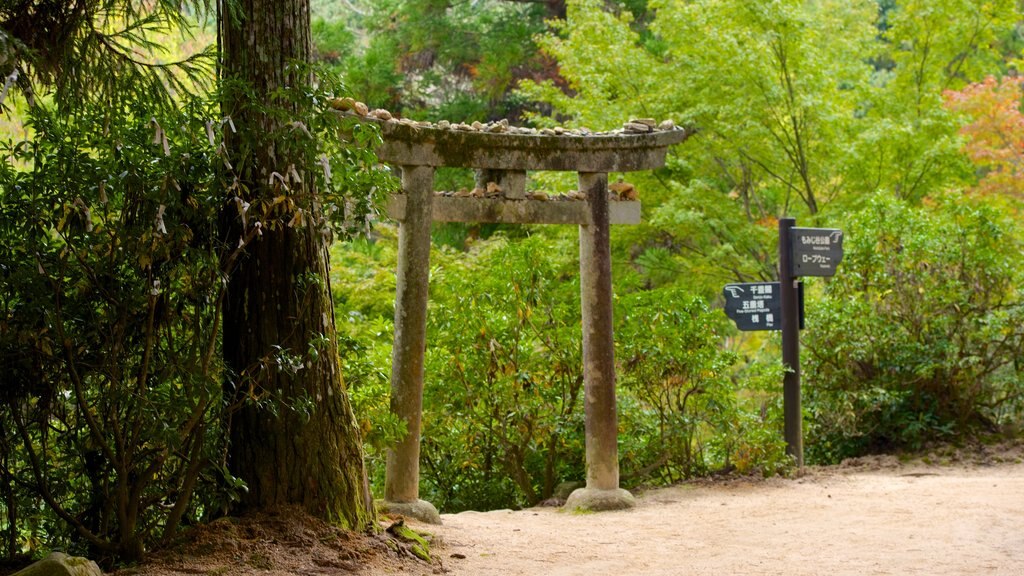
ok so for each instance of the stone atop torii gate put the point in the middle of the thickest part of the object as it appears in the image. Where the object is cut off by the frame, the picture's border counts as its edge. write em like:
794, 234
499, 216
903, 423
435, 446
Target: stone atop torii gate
502, 155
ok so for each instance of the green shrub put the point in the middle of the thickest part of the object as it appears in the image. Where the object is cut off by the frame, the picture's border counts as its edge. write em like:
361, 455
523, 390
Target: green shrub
112, 278
503, 420
110, 283
363, 285
918, 337
684, 414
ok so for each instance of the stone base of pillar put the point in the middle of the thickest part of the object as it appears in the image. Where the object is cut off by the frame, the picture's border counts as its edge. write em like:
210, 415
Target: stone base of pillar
593, 500
419, 510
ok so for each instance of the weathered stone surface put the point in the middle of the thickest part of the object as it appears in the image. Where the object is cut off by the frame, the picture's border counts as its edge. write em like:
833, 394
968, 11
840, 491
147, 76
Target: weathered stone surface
528, 211
593, 500
419, 510
408, 144
635, 125
598, 346
637, 128
411, 290
60, 564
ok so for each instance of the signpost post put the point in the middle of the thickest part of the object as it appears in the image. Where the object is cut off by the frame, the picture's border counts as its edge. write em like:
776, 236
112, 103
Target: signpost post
791, 408
779, 306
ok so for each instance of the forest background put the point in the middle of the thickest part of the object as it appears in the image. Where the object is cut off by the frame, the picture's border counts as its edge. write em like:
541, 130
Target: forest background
898, 122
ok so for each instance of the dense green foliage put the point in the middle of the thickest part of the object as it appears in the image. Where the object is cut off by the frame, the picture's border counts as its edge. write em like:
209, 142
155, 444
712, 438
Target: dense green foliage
110, 296
436, 59
833, 112
103, 51
812, 109
109, 333
919, 339
112, 281
822, 110
503, 412
687, 417
878, 118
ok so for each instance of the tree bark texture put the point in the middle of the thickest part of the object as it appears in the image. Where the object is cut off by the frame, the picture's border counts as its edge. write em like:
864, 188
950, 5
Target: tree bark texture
294, 438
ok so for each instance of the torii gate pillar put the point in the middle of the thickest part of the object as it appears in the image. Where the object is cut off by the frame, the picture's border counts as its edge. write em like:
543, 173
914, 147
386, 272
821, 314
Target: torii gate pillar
602, 491
402, 477
419, 149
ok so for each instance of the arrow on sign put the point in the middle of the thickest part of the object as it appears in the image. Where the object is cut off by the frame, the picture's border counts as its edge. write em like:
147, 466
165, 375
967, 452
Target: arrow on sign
734, 291
757, 305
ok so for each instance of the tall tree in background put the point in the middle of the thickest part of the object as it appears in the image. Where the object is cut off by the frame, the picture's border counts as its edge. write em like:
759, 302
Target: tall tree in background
293, 438
907, 143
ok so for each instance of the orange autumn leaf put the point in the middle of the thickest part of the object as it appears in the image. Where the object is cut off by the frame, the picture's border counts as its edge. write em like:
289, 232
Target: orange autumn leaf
995, 132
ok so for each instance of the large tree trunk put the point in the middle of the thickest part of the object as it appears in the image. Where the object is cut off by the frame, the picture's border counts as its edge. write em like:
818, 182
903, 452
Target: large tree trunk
294, 438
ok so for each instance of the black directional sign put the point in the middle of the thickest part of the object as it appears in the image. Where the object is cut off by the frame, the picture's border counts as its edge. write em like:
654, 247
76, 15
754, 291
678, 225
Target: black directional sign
758, 305
816, 251
754, 305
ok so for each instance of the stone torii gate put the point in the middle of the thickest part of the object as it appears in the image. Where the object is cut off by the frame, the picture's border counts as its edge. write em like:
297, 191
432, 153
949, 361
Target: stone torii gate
501, 156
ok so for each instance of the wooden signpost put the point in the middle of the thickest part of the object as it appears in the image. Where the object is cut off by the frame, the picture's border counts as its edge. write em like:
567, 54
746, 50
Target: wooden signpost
779, 306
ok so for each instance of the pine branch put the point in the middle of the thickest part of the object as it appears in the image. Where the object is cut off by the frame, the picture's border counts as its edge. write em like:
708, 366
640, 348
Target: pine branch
97, 52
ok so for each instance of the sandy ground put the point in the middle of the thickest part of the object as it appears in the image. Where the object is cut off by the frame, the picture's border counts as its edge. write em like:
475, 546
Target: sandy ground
864, 518
952, 512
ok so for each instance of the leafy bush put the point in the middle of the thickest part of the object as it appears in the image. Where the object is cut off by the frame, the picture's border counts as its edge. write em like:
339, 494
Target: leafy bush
363, 283
503, 413
110, 283
435, 60
686, 416
503, 418
919, 336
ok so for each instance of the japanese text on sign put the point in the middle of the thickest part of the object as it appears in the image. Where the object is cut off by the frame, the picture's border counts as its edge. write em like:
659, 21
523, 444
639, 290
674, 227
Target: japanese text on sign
753, 306
816, 251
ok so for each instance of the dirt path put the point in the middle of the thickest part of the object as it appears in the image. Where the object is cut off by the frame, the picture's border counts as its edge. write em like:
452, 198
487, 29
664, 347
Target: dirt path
860, 520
